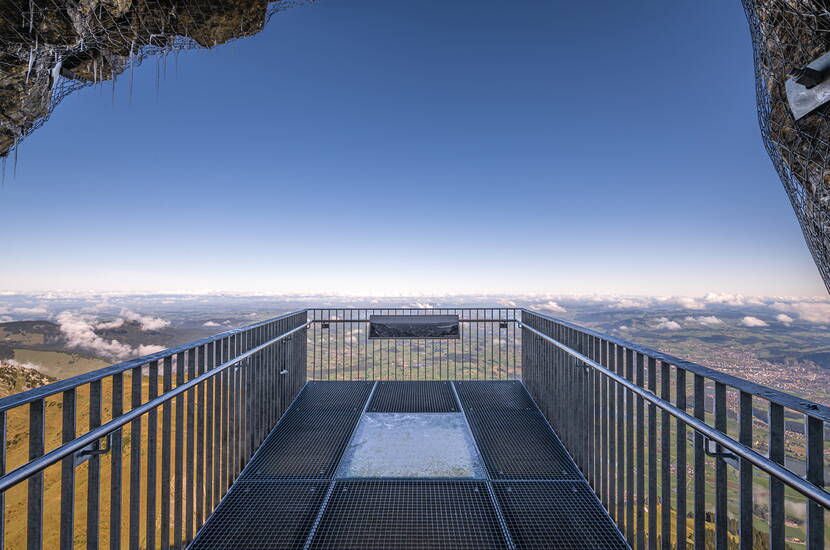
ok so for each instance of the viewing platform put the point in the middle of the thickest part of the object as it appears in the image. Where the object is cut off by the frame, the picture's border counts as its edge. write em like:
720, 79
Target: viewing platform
468, 428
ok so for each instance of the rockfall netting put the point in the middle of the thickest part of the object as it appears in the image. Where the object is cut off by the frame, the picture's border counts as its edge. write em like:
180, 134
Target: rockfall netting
50, 48
786, 36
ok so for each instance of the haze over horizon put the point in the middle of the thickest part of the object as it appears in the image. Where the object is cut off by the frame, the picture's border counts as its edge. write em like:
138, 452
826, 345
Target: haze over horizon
340, 152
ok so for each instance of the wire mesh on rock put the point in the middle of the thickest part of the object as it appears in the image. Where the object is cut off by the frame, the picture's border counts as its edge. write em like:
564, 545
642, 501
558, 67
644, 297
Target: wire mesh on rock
786, 36
50, 48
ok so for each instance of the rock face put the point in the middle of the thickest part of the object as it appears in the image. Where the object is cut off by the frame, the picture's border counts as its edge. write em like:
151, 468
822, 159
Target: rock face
48, 48
787, 35
16, 377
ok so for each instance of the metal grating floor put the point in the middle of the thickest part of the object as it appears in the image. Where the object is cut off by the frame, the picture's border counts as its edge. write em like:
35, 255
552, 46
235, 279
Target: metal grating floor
447, 515
334, 396
263, 516
413, 397
290, 496
494, 395
520, 445
310, 438
560, 515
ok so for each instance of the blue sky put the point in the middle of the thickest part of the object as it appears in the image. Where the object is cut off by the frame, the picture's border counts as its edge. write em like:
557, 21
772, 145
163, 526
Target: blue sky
432, 147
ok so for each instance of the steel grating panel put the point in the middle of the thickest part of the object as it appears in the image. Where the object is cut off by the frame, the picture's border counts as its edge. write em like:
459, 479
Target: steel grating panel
520, 445
306, 444
275, 515
556, 515
333, 396
441, 515
413, 397
494, 395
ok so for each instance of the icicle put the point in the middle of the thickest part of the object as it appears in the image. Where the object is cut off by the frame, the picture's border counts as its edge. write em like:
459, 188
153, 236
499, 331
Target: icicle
31, 62
31, 15
132, 72
56, 71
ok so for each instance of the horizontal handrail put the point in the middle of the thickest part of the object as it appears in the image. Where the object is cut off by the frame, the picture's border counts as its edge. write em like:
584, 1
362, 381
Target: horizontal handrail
317, 321
28, 396
796, 482
815, 410
56, 455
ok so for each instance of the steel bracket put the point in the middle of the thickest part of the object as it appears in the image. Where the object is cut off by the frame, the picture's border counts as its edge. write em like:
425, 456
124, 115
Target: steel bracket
93, 449
709, 444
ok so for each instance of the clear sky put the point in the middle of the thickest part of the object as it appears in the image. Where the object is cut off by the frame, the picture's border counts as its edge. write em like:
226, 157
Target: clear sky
419, 147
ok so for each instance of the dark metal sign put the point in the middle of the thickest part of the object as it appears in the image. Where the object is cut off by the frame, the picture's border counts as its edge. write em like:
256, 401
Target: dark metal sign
413, 326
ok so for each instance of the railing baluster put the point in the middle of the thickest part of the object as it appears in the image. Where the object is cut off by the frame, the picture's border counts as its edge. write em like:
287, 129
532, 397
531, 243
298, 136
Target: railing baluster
614, 419
200, 439
680, 390
621, 465
745, 437
605, 420
815, 474
152, 449
700, 465
67, 535
665, 458
2, 471
652, 457
34, 538
641, 456
629, 447
721, 519
178, 487
190, 437
166, 436
93, 472
135, 462
210, 416
776, 486
116, 463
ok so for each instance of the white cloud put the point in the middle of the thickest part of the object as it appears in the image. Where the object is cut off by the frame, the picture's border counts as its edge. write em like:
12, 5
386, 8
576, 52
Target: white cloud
420, 305
813, 312
663, 323
5, 318
37, 310
630, 303
147, 349
79, 331
706, 320
750, 321
146, 322
686, 302
784, 318
550, 306
211, 324
725, 299
106, 325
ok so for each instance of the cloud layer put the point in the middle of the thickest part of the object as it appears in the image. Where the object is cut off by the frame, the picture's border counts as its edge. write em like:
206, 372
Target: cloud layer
79, 331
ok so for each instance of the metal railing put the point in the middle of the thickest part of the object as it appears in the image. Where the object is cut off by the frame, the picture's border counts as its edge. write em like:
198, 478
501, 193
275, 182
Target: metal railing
340, 348
157, 440
681, 455
633, 418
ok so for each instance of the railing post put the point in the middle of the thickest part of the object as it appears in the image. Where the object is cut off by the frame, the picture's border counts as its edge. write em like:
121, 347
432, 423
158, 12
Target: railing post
721, 518
745, 437
67, 535
116, 464
93, 472
34, 538
776, 486
815, 474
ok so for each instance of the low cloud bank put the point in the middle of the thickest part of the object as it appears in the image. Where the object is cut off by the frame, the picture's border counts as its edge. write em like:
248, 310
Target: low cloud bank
79, 332
752, 322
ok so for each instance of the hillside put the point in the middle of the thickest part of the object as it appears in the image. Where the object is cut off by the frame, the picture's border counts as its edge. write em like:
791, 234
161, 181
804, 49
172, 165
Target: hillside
17, 377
